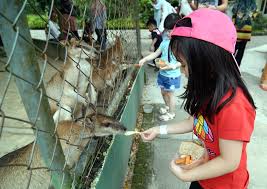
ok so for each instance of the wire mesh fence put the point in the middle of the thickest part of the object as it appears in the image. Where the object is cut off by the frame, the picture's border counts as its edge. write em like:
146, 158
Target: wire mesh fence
60, 91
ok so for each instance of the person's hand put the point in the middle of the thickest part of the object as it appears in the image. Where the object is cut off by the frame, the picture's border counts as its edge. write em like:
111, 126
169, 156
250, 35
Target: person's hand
202, 6
212, 7
167, 67
196, 163
142, 61
152, 48
150, 134
171, 66
177, 170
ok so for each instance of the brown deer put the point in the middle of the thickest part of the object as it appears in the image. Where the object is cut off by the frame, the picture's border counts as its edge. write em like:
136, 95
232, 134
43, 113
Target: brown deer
109, 66
73, 138
69, 87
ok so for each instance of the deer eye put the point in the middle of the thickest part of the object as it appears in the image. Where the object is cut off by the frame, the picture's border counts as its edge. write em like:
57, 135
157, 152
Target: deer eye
106, 124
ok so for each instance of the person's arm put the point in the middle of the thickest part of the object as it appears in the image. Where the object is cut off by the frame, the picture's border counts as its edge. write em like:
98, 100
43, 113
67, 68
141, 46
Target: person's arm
157, 5
150, 57
193, 5
152, 47
184, 126
222, 7
226, 162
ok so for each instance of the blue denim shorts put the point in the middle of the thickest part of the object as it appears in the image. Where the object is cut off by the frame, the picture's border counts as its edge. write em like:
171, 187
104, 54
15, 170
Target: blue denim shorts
169, 83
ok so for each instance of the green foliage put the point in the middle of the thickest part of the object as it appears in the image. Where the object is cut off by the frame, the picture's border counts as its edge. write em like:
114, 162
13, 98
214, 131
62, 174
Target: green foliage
41, 6
123, 23
146, 10
81, 5
36, 22
119, 15
120, 23
259, 25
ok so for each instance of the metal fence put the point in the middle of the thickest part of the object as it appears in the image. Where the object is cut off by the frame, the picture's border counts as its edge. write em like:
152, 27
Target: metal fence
49, 85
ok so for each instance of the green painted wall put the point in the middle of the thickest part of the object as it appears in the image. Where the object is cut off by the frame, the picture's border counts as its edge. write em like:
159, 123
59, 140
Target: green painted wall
116, 163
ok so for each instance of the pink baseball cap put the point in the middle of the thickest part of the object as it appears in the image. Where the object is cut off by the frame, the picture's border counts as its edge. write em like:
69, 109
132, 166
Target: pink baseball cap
212, 26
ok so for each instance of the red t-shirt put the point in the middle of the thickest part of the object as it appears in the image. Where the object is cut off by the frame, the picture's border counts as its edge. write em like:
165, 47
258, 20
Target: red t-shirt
234, 122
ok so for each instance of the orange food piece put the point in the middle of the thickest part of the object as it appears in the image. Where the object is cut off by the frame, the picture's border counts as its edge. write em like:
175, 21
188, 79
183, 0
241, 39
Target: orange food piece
184, 160
187, 159
162, 63
180, 161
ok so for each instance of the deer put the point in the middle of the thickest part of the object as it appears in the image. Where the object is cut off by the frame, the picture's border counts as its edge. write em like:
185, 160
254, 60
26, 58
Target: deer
69, 88
73, 138
109, 66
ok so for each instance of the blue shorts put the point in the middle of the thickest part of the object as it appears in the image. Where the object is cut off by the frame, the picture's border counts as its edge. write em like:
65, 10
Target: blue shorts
169, 83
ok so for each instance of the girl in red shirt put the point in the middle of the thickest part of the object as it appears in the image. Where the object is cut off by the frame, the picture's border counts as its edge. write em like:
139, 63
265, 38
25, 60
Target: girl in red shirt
222, 112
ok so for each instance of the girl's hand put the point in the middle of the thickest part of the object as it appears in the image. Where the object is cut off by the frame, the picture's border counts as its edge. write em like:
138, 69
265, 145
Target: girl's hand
196, 163
177, 170
166, 68
171, 66
150, 134
142, 61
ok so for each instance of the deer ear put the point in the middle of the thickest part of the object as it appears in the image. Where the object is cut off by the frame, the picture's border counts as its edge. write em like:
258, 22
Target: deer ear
89, 121
91, 117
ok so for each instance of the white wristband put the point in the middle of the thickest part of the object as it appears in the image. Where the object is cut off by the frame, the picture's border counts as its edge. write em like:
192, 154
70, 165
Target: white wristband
163, 130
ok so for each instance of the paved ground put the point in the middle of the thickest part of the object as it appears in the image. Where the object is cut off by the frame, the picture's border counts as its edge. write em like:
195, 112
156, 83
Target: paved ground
164, 149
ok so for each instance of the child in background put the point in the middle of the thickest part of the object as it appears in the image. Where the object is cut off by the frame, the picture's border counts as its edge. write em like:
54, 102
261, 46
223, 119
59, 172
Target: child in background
169, 77
156, 37
222, 112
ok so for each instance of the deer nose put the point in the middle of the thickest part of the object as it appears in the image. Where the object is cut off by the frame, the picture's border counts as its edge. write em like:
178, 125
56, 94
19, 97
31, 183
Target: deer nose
120, 126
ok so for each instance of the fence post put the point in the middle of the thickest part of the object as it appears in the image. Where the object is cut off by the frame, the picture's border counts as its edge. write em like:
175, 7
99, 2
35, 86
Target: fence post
137, 26
23, 64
